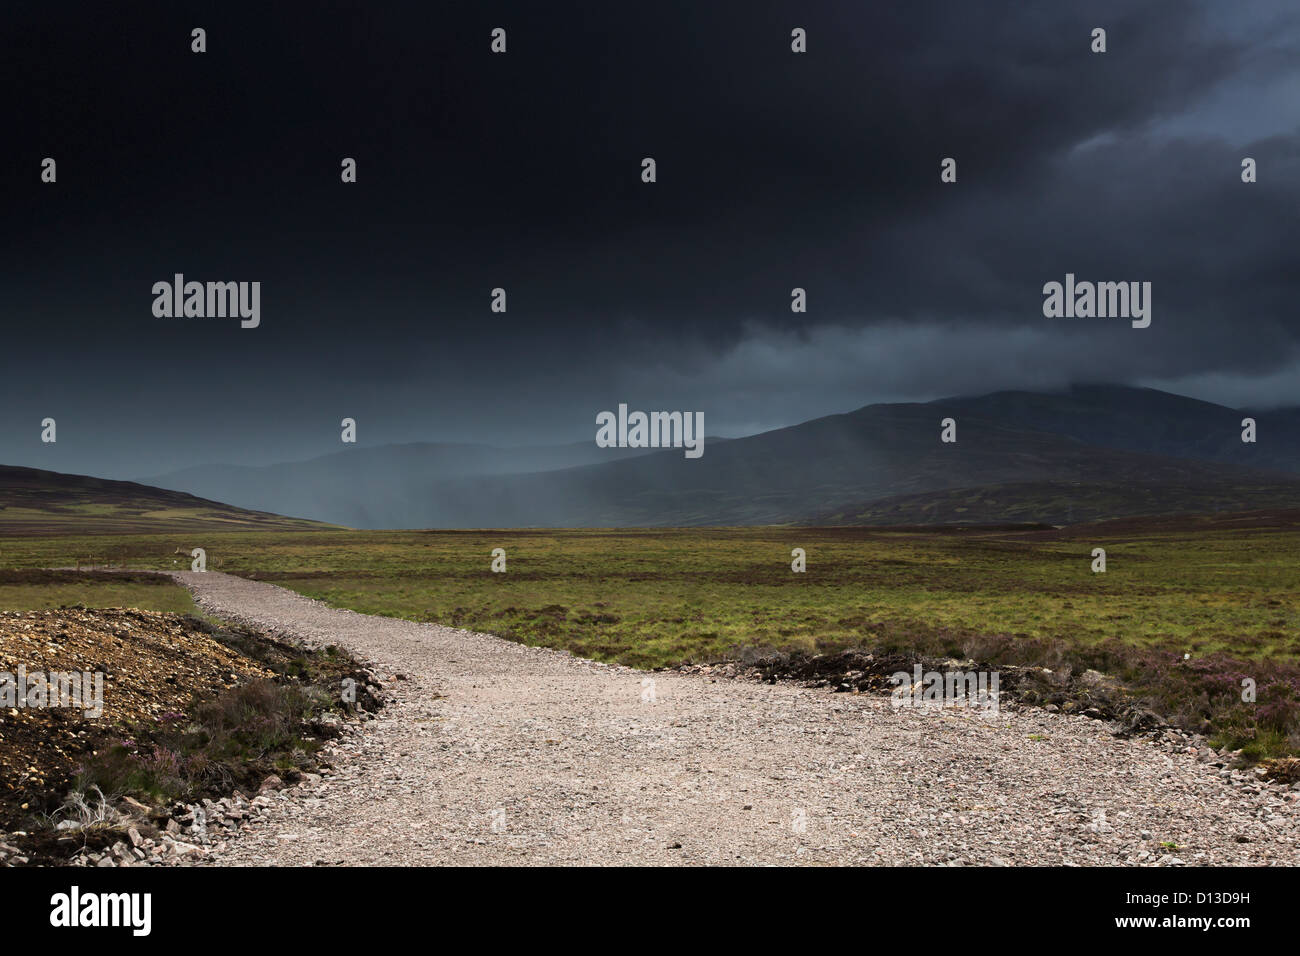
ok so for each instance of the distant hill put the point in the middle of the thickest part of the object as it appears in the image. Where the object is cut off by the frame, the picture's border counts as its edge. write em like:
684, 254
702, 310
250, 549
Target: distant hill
377, 487
1069, 503
826, 470
1086, 453
49, 502
1146, 420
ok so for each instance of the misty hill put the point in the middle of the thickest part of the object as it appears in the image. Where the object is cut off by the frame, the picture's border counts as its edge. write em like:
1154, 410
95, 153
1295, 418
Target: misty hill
49, 502
1107, 451
828, 468
379, 487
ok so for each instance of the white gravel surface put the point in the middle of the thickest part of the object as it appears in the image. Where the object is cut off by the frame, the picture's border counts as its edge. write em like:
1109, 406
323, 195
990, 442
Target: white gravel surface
490, 752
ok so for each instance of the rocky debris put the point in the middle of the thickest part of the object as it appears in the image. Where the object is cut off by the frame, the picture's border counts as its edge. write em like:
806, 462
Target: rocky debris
153, 663
188, 834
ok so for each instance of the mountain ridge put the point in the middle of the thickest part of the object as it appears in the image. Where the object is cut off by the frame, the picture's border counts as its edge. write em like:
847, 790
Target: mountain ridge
1099, 439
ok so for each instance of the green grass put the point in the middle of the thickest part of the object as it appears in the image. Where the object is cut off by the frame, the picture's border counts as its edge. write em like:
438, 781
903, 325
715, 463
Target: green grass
652, 598
38, 591
1225, 591
41, 597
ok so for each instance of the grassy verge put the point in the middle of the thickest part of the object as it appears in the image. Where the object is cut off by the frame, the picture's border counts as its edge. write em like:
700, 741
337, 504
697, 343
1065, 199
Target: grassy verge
1187, 609
34, 590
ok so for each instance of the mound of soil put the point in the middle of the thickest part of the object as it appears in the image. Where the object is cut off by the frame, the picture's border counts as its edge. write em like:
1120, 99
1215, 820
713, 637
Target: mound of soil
170, 682
155, 666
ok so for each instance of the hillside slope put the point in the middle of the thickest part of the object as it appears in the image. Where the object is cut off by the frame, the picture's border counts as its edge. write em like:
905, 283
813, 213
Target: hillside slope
1146, 420
836, 464
33, 501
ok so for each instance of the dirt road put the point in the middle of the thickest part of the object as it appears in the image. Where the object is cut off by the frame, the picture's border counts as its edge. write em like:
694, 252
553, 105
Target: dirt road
497, 753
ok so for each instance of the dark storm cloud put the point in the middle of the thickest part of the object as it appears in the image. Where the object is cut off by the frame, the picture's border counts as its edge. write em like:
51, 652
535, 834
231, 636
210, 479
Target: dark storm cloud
775, 171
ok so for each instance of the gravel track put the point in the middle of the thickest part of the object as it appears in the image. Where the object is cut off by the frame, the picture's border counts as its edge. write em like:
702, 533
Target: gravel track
494, 753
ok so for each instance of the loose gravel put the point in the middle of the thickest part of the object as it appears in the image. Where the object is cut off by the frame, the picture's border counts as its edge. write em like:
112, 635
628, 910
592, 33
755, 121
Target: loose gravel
491, 752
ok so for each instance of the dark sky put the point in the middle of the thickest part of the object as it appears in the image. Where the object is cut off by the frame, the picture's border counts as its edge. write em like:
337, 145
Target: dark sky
522, 171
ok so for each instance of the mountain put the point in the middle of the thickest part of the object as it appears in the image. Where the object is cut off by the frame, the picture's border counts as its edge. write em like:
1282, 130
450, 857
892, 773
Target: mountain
1019, 456
826, 469
1146, 420
49, 502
